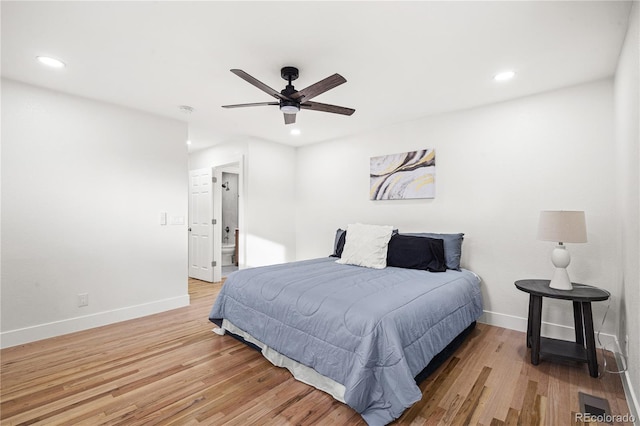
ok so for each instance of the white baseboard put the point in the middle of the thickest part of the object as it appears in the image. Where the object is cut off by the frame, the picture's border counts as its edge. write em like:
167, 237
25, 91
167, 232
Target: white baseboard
58, 328
557, 331
630, 393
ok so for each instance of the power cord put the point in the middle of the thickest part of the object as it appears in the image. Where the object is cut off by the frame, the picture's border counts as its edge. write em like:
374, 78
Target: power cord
603, 348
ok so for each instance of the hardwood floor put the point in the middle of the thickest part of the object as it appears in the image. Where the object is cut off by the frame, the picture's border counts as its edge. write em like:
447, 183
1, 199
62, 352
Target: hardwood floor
170, 369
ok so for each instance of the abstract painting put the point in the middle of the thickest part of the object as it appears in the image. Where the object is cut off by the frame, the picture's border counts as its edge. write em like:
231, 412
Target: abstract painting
403, 176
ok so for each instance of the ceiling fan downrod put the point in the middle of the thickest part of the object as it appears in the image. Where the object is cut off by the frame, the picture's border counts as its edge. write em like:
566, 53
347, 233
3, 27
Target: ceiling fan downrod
289, 106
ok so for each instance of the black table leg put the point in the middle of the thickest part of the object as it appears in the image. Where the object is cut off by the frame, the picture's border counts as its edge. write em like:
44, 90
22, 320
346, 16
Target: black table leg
529, 321
536, 319
577, 321
592, 360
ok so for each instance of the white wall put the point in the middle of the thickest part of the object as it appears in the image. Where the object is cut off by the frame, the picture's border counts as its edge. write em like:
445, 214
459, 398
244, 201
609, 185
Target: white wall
497, 167
271, 209
267, 234
83, 183
627, 94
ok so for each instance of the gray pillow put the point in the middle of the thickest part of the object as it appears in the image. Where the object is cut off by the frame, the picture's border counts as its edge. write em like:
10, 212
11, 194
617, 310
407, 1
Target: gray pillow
452, 247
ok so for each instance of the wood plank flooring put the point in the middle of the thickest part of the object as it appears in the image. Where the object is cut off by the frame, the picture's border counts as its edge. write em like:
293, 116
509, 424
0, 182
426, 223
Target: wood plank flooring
170, 369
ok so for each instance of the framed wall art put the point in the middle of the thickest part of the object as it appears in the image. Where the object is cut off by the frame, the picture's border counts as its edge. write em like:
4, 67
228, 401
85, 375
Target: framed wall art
403, 176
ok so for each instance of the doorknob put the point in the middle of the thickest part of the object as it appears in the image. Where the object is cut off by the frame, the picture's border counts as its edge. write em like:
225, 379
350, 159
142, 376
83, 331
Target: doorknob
189, 229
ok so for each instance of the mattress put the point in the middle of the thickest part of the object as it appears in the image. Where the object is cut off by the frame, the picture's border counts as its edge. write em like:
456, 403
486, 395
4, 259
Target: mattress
370, 331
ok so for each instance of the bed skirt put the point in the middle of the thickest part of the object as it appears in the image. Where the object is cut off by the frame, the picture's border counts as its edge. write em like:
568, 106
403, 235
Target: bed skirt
313, 378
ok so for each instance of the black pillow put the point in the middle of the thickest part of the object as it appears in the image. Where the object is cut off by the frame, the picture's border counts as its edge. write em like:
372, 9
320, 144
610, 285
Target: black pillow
427, 254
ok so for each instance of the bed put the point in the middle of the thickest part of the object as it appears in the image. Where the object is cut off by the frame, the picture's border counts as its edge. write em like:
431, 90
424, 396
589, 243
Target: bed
361, 334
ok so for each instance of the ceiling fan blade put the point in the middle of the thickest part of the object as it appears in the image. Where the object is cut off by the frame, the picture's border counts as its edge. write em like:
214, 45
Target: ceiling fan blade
317, 106
250, 105
260, 85
318, 88
289, 118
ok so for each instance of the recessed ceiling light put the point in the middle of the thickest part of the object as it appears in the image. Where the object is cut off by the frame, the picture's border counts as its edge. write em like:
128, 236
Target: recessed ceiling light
51, 62
188, 141
503, 76
295, 131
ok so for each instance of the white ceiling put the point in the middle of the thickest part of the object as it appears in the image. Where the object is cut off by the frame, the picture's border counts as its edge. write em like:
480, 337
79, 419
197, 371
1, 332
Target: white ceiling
402, 60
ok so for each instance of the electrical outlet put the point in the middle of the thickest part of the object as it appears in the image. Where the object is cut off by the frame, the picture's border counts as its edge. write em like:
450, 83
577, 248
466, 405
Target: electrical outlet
626, 345
83, 299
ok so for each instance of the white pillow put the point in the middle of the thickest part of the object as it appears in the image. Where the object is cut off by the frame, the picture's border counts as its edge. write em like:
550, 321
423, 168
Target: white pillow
366, 245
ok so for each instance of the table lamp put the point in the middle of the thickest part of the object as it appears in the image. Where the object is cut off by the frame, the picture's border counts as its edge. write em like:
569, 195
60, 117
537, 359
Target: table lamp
562, 227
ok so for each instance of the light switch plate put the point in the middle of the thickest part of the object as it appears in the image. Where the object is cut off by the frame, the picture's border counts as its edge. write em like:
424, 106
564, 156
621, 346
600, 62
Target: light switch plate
162, 218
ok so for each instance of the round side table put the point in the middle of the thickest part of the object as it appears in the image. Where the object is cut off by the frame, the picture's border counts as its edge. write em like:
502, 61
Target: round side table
584, 348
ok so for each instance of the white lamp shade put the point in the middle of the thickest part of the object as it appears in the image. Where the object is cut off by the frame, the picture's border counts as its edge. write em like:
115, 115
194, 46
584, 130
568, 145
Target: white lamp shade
562, 226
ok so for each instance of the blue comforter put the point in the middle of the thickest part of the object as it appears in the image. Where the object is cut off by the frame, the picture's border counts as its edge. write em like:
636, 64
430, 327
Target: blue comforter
371, 330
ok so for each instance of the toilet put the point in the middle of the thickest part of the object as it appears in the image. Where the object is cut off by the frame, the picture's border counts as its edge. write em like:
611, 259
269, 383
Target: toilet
228, 252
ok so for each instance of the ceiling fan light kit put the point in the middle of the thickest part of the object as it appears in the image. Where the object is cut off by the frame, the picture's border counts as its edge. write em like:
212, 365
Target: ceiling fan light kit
289, 107
290, 100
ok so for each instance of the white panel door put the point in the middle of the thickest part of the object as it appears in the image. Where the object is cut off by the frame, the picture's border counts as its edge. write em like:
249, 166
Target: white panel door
200, 225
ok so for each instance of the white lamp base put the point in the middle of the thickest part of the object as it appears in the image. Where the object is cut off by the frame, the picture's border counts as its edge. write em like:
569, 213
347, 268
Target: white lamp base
561, 259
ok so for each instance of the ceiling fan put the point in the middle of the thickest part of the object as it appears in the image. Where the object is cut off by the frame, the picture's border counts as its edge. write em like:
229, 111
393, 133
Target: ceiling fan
291, 100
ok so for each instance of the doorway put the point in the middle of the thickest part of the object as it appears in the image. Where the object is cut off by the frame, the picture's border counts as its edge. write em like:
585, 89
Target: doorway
223, 175
205, 210
230, 219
